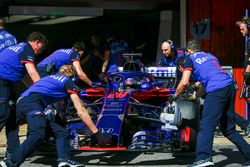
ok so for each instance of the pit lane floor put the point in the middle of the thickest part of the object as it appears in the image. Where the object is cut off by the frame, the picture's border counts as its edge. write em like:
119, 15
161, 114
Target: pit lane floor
225, 154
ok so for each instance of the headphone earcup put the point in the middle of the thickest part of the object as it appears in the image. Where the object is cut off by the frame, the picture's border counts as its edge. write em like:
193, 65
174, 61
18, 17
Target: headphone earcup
248, 26
173, 47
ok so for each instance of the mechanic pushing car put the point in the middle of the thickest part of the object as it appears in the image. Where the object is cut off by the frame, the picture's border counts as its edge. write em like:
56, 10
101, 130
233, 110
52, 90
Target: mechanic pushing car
60, 57
15, 62
200, 92
31, 106
219, 103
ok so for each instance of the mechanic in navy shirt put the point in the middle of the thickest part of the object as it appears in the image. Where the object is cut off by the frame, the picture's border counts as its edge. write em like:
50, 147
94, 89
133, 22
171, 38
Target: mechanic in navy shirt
6, 39
61, 57
113, 54
16, 61
31, 106
201, 92
219, 103
244, 26
169, 55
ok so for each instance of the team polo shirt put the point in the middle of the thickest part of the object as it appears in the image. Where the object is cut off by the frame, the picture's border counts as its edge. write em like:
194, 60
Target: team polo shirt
6, 39
52, 88
169, 61
206, 68
60, 57
116, 48
12, 60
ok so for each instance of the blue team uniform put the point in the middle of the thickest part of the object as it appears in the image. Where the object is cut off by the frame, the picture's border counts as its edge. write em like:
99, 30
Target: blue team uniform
6, 39
219, 104
171, 62
12, 70
13, 59
168, 62
210, 74
31, 106
116, 48
57, 59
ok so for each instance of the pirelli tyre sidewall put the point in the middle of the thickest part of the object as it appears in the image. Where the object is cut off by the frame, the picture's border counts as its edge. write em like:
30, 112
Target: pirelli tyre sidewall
190, 112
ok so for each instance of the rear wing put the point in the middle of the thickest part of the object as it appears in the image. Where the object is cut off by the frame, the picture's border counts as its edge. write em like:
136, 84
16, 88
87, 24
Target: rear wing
166, 74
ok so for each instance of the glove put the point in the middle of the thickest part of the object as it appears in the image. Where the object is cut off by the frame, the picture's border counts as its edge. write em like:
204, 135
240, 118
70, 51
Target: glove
172, 98
50, 113
101, 76
194, 87
246, 75
191, 98
96, 84
100, 140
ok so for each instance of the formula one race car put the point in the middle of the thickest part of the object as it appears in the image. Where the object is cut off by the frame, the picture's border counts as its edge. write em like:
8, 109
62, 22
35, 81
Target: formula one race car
133, 109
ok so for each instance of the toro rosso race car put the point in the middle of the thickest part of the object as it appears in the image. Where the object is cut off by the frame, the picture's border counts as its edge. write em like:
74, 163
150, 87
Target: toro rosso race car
133, 109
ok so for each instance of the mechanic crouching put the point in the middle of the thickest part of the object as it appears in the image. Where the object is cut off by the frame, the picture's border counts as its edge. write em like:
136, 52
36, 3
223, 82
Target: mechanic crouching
218, 107
31, 106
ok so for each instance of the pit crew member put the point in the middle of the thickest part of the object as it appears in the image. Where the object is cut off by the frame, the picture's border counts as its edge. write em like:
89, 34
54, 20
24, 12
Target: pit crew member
199, 91
218, 108
6, 39
30, 107
61, 57
15, 62
169, 55
113, 51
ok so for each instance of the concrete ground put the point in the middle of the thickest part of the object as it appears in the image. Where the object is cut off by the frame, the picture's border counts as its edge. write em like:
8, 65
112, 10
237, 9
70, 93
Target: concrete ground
219, 140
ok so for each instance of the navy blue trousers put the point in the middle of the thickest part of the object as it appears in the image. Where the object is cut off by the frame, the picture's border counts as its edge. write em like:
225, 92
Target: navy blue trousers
243, 123
26, 109
219, 110
8, 116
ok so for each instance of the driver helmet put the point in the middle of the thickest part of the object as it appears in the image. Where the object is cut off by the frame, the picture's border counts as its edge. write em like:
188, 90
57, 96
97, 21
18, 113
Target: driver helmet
130, 81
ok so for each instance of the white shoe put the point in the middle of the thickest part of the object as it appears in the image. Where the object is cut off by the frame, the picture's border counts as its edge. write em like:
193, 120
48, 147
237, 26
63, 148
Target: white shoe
246, 164
202, 163
70, 163
3, 164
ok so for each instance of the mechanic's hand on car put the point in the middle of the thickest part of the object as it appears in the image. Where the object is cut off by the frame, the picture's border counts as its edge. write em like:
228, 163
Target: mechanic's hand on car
96, 84
50, 113
191, 97
171, 99
102, 76
194, 87
100, 140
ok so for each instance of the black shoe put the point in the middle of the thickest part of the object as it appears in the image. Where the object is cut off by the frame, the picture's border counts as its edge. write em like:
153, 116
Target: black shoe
69, 163
202, 163
246, 164
218, 133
